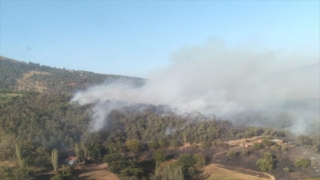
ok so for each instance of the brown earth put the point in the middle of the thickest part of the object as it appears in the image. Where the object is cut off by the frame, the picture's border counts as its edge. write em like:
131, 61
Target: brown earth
95, 171
219, 172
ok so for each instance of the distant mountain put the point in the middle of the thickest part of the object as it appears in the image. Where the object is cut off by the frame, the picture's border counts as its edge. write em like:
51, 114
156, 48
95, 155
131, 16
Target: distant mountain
21, 76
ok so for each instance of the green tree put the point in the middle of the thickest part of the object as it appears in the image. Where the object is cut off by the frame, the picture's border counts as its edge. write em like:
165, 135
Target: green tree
266, 163
302, 162
19, 157
8, 173
133, 144
79, 152
159, 156
174, 143
199, 159
266, 141
186, 160
54, 159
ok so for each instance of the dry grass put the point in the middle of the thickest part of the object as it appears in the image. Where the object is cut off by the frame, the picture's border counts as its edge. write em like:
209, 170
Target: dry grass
214, 172
8, 163
95, 171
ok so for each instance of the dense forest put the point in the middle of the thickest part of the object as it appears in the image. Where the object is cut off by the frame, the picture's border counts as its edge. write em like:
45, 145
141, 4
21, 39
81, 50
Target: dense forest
40, 128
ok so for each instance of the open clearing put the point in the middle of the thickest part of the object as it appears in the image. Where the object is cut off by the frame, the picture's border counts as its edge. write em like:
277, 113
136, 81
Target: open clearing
95, 171
215, 172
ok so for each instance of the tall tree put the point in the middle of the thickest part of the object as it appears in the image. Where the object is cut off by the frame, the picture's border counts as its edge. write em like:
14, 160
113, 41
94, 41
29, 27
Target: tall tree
54, 159
19, 157
79, 152
286, 170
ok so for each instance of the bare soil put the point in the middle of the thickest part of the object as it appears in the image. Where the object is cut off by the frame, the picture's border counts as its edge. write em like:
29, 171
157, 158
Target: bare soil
95, 171
218, 172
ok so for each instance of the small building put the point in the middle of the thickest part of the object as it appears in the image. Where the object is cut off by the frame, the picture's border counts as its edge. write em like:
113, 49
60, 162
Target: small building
72, 160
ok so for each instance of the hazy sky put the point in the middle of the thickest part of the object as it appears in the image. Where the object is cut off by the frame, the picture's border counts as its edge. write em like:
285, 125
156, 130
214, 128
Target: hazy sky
135, 37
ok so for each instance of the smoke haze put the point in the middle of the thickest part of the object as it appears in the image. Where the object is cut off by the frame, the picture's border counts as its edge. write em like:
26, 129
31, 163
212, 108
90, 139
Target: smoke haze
212, 79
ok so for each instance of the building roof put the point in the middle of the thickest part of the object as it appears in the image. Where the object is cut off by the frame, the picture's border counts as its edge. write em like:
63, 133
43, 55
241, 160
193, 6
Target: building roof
72, 158
276, 140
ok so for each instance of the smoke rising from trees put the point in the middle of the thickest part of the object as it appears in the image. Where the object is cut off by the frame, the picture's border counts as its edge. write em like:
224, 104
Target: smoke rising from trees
213, 79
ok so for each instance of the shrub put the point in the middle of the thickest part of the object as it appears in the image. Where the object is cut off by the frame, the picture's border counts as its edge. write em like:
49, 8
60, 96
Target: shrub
257, 146
316, 148
153, 145
133, 144
245, 153
267, 142
232, 154
302, 162
159, 156
266, 163
199, 159
205, 144
186, 160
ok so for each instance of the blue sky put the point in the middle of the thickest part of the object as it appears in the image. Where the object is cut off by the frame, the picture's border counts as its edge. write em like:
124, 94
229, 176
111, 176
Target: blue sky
136, 37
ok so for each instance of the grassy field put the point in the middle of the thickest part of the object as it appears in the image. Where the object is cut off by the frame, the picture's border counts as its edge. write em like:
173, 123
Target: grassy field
214, 172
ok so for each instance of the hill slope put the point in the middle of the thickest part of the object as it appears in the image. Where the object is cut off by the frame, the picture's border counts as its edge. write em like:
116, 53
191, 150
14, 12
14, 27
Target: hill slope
21, 76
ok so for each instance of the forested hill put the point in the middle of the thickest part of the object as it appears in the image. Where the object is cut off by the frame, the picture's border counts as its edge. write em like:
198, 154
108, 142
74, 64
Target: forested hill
22, 76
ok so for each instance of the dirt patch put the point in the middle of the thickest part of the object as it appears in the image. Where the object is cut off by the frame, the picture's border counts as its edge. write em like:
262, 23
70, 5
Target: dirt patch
8, 163
95, 171
218, 172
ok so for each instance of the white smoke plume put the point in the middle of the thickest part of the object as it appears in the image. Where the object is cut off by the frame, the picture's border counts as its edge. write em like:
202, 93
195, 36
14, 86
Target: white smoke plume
213, 79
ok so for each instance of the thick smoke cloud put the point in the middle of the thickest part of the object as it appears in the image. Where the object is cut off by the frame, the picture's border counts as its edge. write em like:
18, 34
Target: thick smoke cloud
212, 79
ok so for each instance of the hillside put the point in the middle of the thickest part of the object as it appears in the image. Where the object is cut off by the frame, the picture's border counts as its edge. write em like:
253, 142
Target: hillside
22, 76
37, 117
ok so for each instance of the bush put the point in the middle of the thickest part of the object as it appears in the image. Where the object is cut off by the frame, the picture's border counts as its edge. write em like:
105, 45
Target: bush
199, 159
266, 163
316, 148
245, 153
112, 157
133, 144
205, 144
302, 162
159, 156
276, 147
232, 154
186, 160
304, 140
257, 146
175, 143
116, 162
267, 142
153, 145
